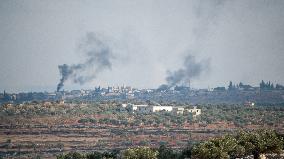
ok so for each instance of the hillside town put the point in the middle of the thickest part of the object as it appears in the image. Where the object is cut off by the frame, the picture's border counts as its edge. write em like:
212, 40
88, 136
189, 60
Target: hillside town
266, 93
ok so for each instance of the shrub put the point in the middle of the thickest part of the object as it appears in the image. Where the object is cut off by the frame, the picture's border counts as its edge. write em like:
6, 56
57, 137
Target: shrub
140, 153
244, 143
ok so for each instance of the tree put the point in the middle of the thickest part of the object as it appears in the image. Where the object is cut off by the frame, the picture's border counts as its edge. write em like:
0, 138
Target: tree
266, 86
210, 150
94, 155
140, 153
166, 153
259, 142
241, 85
231, 87
243, 144
186, 153
279, 87
219, 148
262, 85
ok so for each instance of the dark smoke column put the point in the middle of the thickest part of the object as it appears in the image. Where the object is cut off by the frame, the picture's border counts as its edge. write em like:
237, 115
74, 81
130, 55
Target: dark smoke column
191, 69
98, 56
64, 73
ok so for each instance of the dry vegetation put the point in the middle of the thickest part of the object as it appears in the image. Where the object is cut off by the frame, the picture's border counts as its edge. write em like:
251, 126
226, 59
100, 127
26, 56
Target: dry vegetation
47, 130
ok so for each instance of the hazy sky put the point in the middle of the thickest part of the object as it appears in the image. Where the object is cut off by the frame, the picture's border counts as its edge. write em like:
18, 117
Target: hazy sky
242, 39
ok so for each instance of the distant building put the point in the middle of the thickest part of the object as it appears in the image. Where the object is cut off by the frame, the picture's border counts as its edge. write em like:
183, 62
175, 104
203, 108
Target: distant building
110, 90
147, 109
195, 112
131, 108
47, 103
220, 89
76, 93
138, 107
61, 101
161, 108
122, 108
143, 109
249, 104
182, 89
178, 110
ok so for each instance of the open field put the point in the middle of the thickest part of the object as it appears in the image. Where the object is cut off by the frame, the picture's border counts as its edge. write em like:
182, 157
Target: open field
29, 132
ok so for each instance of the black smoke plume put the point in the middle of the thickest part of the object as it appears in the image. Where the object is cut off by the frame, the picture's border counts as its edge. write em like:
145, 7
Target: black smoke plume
206, 13
191, 70
98, 56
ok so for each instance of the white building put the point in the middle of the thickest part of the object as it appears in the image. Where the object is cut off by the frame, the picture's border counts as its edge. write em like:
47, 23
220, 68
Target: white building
122, 108
194, 111
147, 109
178, 110
161, 108
143, 109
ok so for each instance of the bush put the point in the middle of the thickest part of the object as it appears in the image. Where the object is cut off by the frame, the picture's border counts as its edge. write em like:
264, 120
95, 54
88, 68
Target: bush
244, 143
93, 155
71, 155
83, 120
140, 153
261, 141
166, 153
87, 120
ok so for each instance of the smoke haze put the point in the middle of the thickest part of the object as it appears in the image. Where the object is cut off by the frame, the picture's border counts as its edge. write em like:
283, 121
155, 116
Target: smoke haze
191, 70
244, 40
207, 13
98, 56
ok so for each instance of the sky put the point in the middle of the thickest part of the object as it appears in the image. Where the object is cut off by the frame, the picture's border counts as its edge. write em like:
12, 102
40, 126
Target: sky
241, 40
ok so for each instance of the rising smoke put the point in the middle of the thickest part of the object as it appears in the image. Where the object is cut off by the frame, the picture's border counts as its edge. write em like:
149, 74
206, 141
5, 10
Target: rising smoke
206, 13
98, 56
191, 69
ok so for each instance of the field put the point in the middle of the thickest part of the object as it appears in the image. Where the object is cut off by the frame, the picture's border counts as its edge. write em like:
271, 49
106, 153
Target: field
49, 129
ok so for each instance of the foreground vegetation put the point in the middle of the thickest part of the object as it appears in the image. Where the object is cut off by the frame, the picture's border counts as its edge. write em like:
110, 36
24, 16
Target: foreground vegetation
239, 115
242, 144
48, 129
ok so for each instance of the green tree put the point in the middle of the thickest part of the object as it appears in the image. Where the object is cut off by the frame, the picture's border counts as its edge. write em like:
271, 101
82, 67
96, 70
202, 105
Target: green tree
260, 142
71, 155
207, 150
166, 153
94, 155
243, 144
221, 148
230, 87
140, 153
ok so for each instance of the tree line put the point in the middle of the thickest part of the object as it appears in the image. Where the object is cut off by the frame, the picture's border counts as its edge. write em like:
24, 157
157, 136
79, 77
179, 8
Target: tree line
242, 144
262, 86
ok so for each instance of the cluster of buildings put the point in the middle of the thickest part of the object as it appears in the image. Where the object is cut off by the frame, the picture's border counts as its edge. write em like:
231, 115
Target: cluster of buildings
235, 93
148, 109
